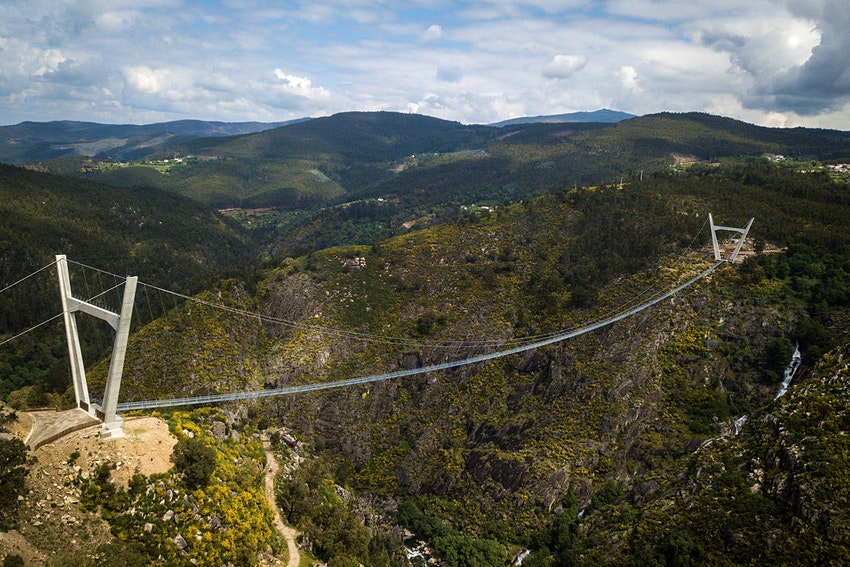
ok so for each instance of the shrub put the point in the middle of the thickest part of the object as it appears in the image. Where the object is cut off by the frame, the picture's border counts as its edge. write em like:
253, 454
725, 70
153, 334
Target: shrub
461, 551
195, 460
13, 471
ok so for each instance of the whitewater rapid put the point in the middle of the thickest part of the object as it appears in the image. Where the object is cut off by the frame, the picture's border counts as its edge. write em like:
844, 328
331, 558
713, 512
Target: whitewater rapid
790, 370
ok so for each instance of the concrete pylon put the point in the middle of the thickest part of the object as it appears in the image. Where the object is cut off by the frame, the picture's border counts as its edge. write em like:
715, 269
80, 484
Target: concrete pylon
111, 421
78, 369
741, 231
121, 323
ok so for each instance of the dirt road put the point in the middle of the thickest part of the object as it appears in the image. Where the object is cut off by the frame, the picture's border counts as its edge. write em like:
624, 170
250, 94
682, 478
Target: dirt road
288, 533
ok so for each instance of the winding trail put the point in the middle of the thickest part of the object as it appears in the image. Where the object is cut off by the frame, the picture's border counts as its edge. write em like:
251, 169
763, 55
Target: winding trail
288, 533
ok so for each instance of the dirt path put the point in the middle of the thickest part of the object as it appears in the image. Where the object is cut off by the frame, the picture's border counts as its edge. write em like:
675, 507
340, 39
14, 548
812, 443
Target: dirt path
288, 533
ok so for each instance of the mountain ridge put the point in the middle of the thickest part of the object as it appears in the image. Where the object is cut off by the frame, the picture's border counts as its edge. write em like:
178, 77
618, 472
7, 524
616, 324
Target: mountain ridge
602, 115
348, 156
30, 141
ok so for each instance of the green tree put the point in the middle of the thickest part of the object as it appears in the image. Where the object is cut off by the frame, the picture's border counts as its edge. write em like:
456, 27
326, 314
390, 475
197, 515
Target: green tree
195, 460
337, 533
14, 468
681, 551
539, 558
461, 551
7, 416
561, 539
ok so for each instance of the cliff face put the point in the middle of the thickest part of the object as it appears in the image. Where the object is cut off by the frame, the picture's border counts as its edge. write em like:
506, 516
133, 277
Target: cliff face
774, 494
634, 407
510, 438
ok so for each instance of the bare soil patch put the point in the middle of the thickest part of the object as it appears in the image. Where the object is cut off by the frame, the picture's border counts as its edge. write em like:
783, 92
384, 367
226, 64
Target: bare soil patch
53, 529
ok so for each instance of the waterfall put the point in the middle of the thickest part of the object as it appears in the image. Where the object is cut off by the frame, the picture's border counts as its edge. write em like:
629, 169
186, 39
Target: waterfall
739, 424
796, 359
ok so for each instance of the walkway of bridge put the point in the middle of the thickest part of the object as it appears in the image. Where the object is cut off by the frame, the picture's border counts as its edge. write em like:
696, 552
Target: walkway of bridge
256, 394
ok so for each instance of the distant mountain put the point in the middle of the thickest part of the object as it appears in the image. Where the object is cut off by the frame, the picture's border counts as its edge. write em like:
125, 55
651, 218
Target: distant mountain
355, 137
304, 164
604, 115
360, 176
34, 141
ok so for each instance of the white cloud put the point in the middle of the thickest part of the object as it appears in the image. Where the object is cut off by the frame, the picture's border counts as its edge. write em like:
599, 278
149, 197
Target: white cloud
563, 66
299, 86
764, 46
433, 33
148, 80
766, 60
821, 83
117, 21
628, 79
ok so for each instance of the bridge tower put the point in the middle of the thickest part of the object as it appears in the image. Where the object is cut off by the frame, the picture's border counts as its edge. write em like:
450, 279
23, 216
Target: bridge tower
742, 235
111, 427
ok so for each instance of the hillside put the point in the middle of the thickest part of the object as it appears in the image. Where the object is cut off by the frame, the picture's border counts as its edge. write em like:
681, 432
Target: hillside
531, 160
773, 494
168, 513
123, 230
308, 163
322, 188
615, 447
499, 451
291, 183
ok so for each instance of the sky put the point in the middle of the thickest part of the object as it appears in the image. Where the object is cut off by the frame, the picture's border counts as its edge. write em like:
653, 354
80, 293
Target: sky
781, 63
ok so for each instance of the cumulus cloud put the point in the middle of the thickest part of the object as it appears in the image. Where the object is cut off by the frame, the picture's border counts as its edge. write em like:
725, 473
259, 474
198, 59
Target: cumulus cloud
628, 79
759, 48
147, 80
794, 57
73, 73
292, 85
769, 61
563, 66
433, 33
822, 82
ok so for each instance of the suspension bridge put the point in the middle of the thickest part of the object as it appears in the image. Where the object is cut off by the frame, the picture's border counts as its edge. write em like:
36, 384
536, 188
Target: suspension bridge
109, 410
